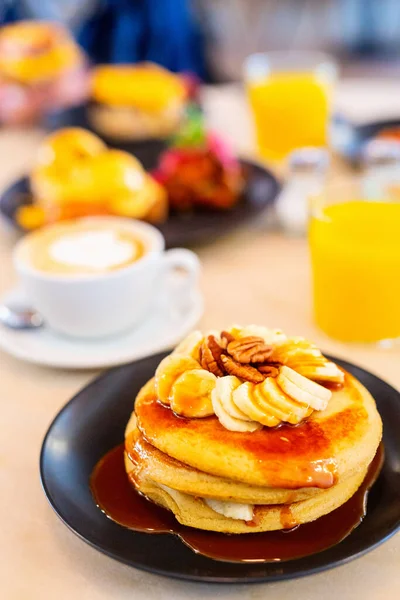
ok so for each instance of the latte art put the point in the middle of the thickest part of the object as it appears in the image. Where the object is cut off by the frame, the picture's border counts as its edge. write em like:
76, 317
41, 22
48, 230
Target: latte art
95, 250
82, 249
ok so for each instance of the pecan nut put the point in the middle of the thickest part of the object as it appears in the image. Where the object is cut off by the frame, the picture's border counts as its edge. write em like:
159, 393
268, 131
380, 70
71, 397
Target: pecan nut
226, 338
210, 356
249, 349
245, 372
268, 370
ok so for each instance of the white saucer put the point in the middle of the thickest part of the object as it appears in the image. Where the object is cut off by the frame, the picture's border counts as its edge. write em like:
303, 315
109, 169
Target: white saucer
164, 328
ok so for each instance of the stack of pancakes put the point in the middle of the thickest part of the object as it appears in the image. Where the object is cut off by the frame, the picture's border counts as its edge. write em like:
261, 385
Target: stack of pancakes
233, 482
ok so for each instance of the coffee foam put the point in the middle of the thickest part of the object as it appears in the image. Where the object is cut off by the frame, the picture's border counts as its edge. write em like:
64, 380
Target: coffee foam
94, 250
81, 248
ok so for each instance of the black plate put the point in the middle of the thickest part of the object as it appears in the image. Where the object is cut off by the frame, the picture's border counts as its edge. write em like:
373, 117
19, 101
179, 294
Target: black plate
147, 151
93, 422
190, 229
349, 140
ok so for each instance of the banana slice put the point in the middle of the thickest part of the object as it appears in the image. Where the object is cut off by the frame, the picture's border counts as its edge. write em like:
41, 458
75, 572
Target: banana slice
263, 402
270, 336
299, 363
300, 342
190, 395
230, 422
302, 389
190, 346
291, 411
292, 347
224, 388
326, 372
168, 371
244, 400
304, 354
232, 510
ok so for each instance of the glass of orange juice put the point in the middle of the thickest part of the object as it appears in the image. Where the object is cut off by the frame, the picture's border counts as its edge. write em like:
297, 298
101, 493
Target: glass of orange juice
290, 95
355, 255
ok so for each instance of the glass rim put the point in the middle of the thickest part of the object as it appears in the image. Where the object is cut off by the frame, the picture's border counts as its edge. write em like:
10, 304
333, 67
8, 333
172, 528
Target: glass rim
342, 191
335, 184
280, 53
260, 64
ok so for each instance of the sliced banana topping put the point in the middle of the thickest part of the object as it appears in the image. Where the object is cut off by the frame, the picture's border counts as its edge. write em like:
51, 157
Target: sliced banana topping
291, 411
270, 336
168, 371
249, 377
327, 371
190, 346
303, 389
191, 394
224, 388
245, 400
229, 422
305, 358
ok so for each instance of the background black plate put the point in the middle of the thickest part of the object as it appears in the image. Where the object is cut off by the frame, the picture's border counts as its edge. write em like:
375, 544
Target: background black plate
93, 422
183, 229
349, 139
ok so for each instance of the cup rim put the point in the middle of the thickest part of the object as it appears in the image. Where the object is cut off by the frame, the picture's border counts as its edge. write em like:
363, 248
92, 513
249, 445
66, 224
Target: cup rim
149, 231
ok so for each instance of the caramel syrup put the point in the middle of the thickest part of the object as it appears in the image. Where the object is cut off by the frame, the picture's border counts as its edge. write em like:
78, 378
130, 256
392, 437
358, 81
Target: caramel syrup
334, 386
116, 497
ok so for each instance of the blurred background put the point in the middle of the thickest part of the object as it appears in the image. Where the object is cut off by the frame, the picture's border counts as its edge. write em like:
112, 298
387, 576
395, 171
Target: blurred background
197, 115
212, 37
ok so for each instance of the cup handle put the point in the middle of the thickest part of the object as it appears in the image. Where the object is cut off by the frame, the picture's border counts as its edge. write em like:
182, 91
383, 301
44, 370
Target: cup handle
183, 269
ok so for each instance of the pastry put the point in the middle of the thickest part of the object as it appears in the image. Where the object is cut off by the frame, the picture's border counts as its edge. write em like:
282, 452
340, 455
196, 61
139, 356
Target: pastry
41, 69
133, 102
76, 175
239, 423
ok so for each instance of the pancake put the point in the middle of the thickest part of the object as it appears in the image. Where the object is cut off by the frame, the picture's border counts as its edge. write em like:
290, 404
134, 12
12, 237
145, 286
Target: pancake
164, 470
331, 446
238, 433
194, 512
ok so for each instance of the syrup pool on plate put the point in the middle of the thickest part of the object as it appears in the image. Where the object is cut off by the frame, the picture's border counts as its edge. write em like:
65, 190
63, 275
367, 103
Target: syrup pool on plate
118, 500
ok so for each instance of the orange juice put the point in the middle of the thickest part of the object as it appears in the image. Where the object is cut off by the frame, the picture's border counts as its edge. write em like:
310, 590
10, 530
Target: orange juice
355, 252
290, 110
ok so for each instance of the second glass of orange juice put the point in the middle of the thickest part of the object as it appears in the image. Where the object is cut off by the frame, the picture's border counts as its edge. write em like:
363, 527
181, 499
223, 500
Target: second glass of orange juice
355, 254
290, 96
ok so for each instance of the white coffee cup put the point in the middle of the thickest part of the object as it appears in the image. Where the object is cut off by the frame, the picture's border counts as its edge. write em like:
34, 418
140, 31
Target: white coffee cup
102, 304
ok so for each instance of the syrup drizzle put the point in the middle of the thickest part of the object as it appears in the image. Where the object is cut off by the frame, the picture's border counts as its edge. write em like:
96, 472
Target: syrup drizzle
117, 499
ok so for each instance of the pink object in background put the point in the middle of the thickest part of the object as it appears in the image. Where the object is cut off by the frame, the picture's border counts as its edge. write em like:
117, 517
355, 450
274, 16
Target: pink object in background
70, 89
22, 104
17, 103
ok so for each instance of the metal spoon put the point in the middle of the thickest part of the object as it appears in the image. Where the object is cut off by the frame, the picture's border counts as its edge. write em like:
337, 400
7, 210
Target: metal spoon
20, 317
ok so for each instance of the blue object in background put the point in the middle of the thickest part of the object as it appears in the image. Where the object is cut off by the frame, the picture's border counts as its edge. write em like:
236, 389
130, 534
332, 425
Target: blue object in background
124, 31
